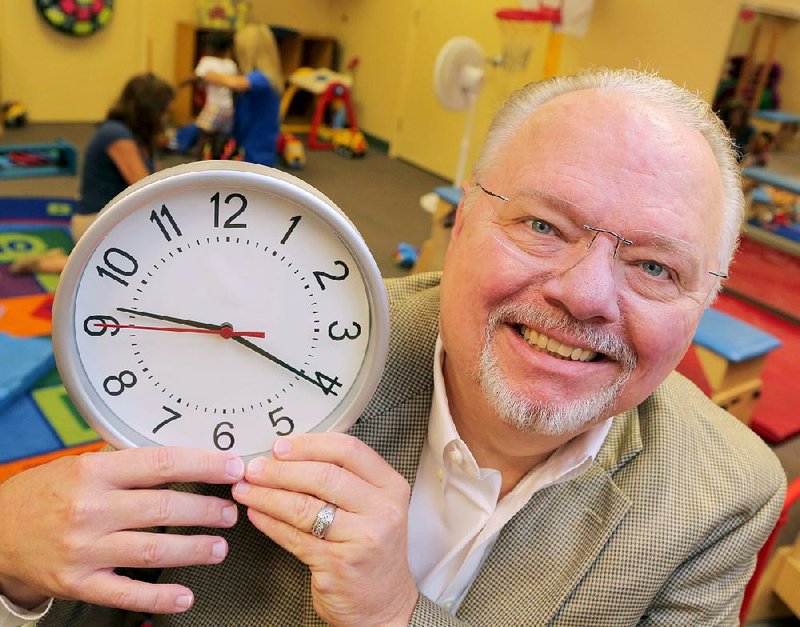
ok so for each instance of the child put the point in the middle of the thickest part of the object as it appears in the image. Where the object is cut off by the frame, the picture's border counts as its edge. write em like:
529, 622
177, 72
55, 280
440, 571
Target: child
216, 117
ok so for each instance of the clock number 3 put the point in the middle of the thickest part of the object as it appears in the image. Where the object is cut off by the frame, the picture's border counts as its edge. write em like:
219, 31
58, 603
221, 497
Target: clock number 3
346, 333
229, 223
276, 421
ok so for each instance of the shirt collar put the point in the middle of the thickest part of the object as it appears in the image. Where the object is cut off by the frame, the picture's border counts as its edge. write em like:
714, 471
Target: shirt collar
568, 461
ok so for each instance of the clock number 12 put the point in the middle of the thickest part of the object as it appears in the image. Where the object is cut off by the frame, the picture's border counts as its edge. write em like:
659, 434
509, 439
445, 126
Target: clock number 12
229, 223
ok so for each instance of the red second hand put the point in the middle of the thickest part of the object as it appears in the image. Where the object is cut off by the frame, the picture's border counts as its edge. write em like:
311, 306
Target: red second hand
224, 332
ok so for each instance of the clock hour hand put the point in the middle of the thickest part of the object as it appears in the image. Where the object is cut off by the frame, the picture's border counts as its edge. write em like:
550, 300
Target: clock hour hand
223, 330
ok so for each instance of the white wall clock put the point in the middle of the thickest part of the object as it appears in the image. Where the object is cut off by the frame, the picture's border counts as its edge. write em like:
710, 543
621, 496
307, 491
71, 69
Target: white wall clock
220, 305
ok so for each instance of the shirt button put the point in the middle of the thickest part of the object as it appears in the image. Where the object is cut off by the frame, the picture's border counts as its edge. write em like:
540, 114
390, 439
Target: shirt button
440, 474
448, 604
456, 457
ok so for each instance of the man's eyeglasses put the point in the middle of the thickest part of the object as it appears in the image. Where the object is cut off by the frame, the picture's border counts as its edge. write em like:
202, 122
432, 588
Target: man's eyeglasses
647, 266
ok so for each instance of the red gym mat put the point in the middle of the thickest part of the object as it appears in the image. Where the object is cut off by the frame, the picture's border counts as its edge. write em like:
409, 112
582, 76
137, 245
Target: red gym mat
767, 276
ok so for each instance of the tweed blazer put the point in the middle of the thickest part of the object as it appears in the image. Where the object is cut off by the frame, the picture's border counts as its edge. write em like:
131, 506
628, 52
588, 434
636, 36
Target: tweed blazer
661, 530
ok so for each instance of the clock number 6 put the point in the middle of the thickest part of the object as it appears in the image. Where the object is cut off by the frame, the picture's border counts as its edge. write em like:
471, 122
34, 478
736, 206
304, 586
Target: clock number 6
114, 256
318, 274
276, 421
223, 440
125, 379
229, 223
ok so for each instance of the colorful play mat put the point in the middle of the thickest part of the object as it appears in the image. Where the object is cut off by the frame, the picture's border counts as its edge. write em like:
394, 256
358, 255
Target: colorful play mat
37, 419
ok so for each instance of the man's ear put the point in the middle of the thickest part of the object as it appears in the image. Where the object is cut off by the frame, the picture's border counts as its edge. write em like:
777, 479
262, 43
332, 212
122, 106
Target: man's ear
458, 220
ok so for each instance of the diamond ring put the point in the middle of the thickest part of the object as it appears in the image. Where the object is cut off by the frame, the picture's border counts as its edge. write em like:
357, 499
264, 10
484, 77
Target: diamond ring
323, 521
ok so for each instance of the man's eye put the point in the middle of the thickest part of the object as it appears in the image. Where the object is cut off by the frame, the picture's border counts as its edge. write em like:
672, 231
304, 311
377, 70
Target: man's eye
655, 269
540, 226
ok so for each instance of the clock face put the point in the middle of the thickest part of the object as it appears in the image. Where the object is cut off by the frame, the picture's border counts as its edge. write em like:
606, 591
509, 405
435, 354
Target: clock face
220, 306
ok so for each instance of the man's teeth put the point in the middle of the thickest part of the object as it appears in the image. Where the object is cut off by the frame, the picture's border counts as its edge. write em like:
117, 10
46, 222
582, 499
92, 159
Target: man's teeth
547, 344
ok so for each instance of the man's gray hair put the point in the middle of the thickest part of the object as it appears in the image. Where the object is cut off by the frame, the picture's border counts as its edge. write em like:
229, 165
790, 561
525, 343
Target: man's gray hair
688, 107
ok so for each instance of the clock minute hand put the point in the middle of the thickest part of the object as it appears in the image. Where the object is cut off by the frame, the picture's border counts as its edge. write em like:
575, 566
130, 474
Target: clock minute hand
282, 364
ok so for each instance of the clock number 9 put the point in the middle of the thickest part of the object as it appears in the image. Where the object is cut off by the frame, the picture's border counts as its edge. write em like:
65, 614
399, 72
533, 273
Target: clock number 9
126, 379
276, 421
346, 333
223, 440
132, 264
229, 223
96, 328
318, 274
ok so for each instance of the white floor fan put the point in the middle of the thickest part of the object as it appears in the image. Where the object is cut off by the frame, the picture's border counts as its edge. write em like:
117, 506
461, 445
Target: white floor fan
457, 80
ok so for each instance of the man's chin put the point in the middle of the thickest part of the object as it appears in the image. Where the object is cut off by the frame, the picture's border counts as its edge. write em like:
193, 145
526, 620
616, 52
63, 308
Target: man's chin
547, 413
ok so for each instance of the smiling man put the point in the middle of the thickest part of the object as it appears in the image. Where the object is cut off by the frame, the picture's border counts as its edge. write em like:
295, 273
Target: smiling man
529, 457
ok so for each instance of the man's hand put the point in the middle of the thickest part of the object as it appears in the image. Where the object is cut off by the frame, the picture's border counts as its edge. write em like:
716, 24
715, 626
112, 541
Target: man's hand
359, 571
68, 524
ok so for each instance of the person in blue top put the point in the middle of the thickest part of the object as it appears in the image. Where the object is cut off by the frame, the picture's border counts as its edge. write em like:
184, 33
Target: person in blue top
256, 122
119, 153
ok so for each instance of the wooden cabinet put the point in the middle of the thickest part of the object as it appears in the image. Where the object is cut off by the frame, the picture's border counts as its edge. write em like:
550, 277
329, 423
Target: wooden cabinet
296, 49
305, 50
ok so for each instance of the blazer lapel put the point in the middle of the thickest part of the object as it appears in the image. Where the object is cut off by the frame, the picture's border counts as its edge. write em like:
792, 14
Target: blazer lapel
546, 549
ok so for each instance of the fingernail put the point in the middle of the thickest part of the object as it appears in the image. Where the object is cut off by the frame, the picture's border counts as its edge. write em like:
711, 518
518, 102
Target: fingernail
229, 514
235, 468
255, 466
282, 446
242, 487
184, 602
219, 549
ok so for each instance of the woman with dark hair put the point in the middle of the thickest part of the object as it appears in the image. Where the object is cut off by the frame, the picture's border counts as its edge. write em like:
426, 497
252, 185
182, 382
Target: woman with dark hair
119, 153
121, 150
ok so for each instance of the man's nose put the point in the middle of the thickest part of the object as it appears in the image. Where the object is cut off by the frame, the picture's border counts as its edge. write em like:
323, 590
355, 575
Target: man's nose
587, 288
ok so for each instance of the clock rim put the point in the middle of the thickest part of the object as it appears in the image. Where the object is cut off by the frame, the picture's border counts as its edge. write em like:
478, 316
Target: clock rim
82, 391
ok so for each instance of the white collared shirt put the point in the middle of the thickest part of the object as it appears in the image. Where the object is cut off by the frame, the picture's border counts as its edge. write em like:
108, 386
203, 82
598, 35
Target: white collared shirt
455, 517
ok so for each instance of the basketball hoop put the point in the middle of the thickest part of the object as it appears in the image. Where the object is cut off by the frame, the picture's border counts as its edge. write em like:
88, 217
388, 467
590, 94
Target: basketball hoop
520, 29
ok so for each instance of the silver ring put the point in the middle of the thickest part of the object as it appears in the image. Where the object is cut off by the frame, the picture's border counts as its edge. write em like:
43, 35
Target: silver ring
323, 521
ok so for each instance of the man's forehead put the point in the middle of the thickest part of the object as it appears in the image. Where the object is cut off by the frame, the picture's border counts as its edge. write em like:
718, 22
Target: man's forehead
621, 158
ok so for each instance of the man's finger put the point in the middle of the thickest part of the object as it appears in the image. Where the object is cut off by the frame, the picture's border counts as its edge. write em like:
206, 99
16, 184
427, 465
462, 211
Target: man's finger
137, 549
153, 466
121, 592
326, 481
134, 509
295, 509
340, 449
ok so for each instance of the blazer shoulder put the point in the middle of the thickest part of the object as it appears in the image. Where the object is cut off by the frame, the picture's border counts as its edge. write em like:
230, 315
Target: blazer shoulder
707, 448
